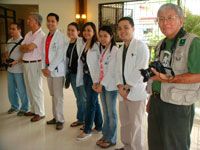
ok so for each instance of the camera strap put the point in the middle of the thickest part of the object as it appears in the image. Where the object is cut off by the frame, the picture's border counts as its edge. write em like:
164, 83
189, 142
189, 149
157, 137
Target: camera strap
180, 34
18, 43
172, 72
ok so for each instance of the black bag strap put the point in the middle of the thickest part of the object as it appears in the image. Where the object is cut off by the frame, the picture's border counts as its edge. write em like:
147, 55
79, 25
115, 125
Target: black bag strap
70, 63
18, 43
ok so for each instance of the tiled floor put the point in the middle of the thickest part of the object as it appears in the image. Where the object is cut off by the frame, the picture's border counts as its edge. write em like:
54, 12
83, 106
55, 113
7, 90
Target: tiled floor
195, 137
18, 133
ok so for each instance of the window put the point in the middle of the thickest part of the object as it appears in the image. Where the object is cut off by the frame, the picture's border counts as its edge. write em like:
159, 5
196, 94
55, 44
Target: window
109, 14
144, 14
7, 17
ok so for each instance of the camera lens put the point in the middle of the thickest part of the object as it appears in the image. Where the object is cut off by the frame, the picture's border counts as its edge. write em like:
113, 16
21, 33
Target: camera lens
146, 73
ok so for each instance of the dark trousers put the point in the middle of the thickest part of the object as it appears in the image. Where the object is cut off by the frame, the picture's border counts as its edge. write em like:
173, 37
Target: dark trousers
169, 125
93, 110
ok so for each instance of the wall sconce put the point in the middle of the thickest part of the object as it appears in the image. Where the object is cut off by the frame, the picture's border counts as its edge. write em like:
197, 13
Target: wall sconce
78, 16
82, 16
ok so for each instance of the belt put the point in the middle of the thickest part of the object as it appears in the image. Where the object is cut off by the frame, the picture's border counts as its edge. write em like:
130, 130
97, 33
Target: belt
156, 94
32, 61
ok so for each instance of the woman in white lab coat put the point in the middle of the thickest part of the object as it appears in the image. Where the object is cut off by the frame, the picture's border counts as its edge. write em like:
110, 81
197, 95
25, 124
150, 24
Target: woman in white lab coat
53, 67
107, 87
74, 46
88, 73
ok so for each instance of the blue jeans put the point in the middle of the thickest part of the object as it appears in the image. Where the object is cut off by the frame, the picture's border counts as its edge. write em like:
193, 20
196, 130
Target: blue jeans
80, 95
93, 110
108, 100
16, 89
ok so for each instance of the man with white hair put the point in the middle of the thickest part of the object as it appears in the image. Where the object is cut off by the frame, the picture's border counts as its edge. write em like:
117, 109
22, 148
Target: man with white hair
32, 48
171, 105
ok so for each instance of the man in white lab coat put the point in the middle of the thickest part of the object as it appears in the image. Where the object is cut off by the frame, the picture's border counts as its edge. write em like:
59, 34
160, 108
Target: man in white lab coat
53, 67
132, 56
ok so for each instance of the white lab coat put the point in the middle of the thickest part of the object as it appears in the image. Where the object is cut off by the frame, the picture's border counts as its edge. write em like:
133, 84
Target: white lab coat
109, 62
57, 49
93, 56
136, 58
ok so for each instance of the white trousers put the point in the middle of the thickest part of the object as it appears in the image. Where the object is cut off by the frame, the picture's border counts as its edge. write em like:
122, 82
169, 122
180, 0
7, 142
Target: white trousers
33, 82
55, 85
131, 115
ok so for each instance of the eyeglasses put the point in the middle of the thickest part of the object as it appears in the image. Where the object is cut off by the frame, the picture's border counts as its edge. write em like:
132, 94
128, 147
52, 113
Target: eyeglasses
170, 18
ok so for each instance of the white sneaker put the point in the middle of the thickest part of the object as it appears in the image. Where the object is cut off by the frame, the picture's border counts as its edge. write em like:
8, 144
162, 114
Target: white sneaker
85, 136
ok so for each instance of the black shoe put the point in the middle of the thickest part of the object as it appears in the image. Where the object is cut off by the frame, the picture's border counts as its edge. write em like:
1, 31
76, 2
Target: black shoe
52, 121
59, 126
12, 110
21, 113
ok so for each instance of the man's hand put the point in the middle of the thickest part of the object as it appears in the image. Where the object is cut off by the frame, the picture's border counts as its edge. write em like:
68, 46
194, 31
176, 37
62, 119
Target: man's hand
147, 105
46, 72
158, 76
13, 63
25, 48
127, 86
123, 93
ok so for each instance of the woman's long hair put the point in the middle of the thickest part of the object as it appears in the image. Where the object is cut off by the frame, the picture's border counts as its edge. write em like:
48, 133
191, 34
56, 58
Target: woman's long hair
94, 38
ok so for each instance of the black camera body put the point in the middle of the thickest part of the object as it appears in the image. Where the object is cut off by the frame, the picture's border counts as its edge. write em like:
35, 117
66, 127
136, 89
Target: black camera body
9, 61
147, 73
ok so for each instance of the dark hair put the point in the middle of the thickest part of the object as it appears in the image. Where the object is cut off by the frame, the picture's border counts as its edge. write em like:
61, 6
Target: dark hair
55, 15
18, 25
94, 38
129, 19
75, 25
108, 29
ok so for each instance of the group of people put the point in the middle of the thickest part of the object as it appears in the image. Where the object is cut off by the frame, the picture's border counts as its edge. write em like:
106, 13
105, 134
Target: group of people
96, 66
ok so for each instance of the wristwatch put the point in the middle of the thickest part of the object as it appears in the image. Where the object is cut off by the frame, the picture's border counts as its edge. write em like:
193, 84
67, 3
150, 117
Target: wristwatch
126, 89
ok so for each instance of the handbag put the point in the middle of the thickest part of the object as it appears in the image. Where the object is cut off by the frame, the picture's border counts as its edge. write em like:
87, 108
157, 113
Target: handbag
67, 77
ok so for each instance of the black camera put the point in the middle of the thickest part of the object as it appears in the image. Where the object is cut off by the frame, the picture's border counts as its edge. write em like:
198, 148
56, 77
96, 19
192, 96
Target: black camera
147, 73
9, 61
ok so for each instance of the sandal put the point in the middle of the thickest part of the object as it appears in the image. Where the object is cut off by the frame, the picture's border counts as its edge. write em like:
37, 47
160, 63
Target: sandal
101, 140
76, 123
83, 127
106, 144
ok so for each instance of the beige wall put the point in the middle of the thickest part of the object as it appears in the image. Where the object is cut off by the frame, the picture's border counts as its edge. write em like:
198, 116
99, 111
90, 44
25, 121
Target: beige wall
64, 8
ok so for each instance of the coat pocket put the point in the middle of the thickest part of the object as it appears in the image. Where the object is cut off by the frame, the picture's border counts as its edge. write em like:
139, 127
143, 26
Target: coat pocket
184, 96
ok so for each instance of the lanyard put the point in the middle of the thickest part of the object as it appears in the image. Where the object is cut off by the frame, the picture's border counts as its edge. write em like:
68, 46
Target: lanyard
70, 62
180, 34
